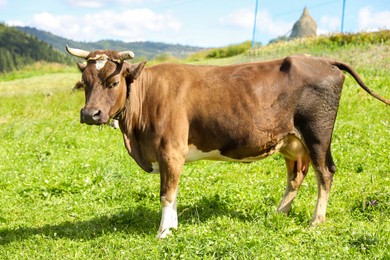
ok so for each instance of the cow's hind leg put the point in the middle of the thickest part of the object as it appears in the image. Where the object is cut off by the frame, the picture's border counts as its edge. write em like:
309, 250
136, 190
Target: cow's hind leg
324, 175
315, 118
318, 136
323, 165
296, 172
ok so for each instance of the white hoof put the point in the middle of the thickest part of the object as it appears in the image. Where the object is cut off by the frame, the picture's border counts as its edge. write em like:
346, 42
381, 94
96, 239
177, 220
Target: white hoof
317, 221
164, 234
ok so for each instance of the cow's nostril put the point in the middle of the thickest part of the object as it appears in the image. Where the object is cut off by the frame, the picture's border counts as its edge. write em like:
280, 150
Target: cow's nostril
91, 116
97, 115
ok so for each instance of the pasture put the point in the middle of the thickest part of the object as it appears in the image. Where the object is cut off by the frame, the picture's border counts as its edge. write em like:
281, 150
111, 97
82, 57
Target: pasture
70, 191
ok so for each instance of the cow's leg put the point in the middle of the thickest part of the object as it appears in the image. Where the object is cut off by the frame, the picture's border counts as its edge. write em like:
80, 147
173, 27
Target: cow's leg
324, 183
319, 137
170, 169
296, 172
168, 217
315, 118
324, 168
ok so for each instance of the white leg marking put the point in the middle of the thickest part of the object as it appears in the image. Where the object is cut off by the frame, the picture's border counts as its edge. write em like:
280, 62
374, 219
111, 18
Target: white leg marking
320, 211
287, 200
168, 219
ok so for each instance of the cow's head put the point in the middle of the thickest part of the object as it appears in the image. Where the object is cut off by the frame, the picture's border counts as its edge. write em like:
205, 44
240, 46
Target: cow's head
106, 78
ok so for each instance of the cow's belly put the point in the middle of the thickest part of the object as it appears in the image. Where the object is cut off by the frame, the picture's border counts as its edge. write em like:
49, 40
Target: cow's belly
195, 154
291, 146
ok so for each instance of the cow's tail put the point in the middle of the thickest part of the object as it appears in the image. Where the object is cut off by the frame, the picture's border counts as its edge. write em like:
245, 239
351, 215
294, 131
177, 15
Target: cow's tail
347, 68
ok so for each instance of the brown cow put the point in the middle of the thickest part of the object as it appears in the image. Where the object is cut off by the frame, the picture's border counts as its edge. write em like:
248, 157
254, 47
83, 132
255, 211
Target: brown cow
170, 114
78, 86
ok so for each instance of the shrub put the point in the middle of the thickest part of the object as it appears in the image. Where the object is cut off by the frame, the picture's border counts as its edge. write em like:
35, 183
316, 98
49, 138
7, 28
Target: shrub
229, 51
223, 52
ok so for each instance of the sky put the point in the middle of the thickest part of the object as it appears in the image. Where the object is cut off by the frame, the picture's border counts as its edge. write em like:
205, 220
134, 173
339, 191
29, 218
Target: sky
203, 23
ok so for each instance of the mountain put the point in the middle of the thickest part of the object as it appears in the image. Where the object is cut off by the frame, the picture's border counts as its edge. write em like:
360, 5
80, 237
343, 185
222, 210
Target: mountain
146, 50
18, 49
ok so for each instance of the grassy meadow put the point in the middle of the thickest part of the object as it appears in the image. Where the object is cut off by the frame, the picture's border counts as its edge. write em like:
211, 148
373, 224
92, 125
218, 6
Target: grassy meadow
70, 191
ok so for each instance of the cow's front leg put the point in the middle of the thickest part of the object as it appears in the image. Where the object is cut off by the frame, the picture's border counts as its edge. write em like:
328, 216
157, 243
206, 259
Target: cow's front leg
168, 217
170, 169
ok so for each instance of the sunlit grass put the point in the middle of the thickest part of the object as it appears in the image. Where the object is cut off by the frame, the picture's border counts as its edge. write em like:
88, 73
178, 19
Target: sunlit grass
70, 191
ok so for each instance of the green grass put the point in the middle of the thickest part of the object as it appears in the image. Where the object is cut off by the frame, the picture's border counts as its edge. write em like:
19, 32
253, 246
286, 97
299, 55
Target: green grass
223, 52
37, 69
70, 191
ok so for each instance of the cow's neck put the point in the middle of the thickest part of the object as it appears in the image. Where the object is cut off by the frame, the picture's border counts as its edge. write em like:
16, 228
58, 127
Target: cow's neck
132, 115
132, 122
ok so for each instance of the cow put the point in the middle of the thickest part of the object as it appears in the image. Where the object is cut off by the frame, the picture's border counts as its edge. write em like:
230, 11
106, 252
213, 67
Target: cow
78, 86
170, 114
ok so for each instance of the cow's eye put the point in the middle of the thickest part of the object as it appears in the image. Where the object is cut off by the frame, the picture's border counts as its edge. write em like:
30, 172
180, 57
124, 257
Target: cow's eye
113, 84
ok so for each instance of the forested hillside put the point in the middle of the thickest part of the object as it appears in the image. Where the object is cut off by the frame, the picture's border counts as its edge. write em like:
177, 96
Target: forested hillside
18, 48
148, 50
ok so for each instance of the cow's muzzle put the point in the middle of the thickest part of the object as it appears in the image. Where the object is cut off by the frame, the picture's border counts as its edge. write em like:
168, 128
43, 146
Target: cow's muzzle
92, 116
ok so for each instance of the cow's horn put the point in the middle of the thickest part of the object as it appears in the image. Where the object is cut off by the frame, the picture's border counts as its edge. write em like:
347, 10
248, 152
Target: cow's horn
77, 52
126, 55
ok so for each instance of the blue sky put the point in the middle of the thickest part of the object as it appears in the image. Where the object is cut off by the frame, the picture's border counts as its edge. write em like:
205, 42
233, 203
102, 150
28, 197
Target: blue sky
205, 23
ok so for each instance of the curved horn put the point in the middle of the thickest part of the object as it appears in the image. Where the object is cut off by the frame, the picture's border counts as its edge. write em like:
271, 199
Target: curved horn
126, 55
77, 52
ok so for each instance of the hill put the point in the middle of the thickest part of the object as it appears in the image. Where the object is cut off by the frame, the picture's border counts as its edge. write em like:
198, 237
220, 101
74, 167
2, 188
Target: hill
147, 50
346, 47
18, 49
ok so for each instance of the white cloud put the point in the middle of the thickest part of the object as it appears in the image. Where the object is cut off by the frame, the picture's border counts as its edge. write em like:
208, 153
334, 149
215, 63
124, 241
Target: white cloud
271, 26
329, 24
15, 23
101, 3
3, 3
128, 25
244, 18
87, 4
370, 20
240, 18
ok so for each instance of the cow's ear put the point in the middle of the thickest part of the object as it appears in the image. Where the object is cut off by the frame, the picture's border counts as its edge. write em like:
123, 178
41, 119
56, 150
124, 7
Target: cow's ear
134, 70
81, 66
